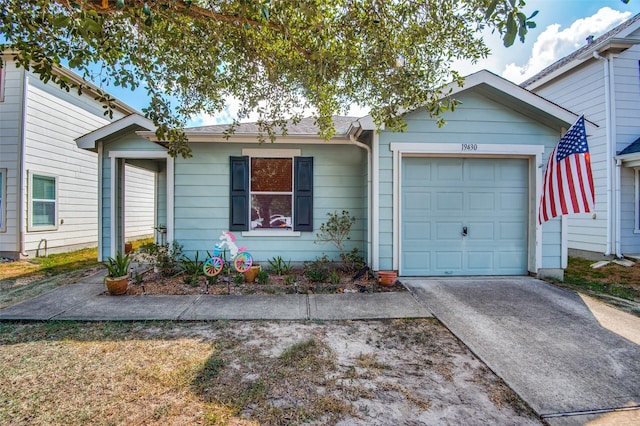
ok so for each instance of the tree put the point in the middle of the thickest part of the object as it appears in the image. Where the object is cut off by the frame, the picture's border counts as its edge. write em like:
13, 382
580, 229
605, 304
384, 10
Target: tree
278, 57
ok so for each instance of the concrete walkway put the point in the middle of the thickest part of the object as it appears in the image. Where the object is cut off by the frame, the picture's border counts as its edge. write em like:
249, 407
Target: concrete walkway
546, 343
83, 301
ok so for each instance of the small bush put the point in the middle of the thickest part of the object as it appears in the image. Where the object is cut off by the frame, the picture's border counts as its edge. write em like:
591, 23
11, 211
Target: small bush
262, 277
318, 270
353, 261
279, 266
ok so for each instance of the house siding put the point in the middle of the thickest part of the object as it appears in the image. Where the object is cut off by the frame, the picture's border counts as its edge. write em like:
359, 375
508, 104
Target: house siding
478, 120
54, 120
139, 203
10, 132
202, 200
627, 120
583, 91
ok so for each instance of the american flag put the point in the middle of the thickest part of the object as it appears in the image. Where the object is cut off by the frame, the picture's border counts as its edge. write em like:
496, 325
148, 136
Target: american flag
568, 184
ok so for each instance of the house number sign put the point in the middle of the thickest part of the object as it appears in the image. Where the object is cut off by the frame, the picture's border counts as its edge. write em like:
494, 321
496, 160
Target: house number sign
469, 147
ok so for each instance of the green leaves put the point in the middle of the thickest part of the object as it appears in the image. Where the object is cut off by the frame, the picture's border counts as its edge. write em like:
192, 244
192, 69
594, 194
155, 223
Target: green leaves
277, 60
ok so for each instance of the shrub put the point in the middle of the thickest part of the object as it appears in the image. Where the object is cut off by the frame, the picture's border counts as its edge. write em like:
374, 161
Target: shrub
336, 229
279, 266
262, 277
353, 260
162, 256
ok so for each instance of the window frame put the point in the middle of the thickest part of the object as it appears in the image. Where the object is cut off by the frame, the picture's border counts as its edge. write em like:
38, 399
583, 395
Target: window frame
3, 199
272, 153
31, 226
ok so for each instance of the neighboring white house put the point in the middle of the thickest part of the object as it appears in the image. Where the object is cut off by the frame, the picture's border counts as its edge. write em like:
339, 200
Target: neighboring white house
48, 186
602, 80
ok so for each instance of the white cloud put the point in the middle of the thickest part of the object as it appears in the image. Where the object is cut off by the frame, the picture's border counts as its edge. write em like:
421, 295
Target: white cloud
554, 43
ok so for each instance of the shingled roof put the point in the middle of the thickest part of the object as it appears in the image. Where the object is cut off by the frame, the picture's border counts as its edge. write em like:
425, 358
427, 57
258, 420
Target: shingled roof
306, 127
584, 51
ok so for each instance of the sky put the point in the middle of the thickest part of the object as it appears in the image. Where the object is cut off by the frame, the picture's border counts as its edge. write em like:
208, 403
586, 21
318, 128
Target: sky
562, 26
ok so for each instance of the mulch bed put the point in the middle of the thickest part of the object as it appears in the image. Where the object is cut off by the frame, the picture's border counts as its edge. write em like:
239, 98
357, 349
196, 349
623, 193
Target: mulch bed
158, 284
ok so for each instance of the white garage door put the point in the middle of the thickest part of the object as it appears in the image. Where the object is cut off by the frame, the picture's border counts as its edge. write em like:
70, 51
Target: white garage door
464, 216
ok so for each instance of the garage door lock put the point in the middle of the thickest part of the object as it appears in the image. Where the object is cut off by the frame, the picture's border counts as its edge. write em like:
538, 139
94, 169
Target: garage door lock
464, 231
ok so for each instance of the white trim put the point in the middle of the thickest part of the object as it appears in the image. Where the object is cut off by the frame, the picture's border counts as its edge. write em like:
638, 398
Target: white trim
564, 241
115, 155
537, 171
30, 226
636, 204
466, 149
3, 80
90, 140
375, 203
134, 155
3, 199
112, 219
396, 209
271, 153
100, 203
532, 152
271, 233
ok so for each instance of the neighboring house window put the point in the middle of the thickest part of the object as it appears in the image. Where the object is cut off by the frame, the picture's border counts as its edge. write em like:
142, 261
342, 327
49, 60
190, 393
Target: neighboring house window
3, 191
43, 202
271, 193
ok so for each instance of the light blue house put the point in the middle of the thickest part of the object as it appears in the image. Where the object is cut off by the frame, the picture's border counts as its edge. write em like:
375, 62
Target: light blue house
450, 201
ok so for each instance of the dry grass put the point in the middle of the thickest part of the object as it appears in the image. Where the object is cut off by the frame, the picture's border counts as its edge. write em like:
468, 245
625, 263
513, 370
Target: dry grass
614, 283
241, 373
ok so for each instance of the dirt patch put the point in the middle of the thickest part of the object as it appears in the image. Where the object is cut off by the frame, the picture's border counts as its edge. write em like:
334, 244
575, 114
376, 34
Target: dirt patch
410, 372
152, 283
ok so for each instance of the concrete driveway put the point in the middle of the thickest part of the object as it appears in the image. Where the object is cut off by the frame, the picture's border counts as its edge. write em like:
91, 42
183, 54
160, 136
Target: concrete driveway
548, 344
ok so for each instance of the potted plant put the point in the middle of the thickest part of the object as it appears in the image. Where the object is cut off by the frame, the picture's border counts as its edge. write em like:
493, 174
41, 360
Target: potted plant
117, 278
251, 274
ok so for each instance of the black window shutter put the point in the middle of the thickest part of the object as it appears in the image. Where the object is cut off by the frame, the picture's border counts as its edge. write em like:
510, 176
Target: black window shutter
239, 194
303, 193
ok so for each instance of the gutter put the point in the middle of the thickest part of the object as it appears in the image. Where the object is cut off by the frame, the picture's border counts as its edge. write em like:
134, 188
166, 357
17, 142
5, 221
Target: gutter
22, 208
609, 144
357, 128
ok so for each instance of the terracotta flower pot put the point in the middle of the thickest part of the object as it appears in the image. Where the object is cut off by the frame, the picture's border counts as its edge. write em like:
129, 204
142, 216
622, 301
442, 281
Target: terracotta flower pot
387, 278
118, 285
251, 274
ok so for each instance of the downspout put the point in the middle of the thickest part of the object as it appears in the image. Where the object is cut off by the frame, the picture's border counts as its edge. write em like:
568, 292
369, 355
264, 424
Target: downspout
22, 216
609, 143
369, 197
618, 210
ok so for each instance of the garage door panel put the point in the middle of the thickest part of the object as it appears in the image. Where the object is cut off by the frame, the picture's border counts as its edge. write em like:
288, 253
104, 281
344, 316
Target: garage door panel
478, 172
513, 260
417, 203
448, 231
514, 231
480, 261
442, 195
512, 201
416, 231
449, 261
482, 201
480, 231
449, 170
449, 201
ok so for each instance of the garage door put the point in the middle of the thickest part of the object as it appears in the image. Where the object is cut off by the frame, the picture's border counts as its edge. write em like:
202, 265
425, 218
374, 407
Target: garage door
464, 216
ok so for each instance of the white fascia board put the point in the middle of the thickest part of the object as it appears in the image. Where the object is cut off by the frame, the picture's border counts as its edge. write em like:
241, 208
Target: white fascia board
466, 149
89, 141
253, 139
